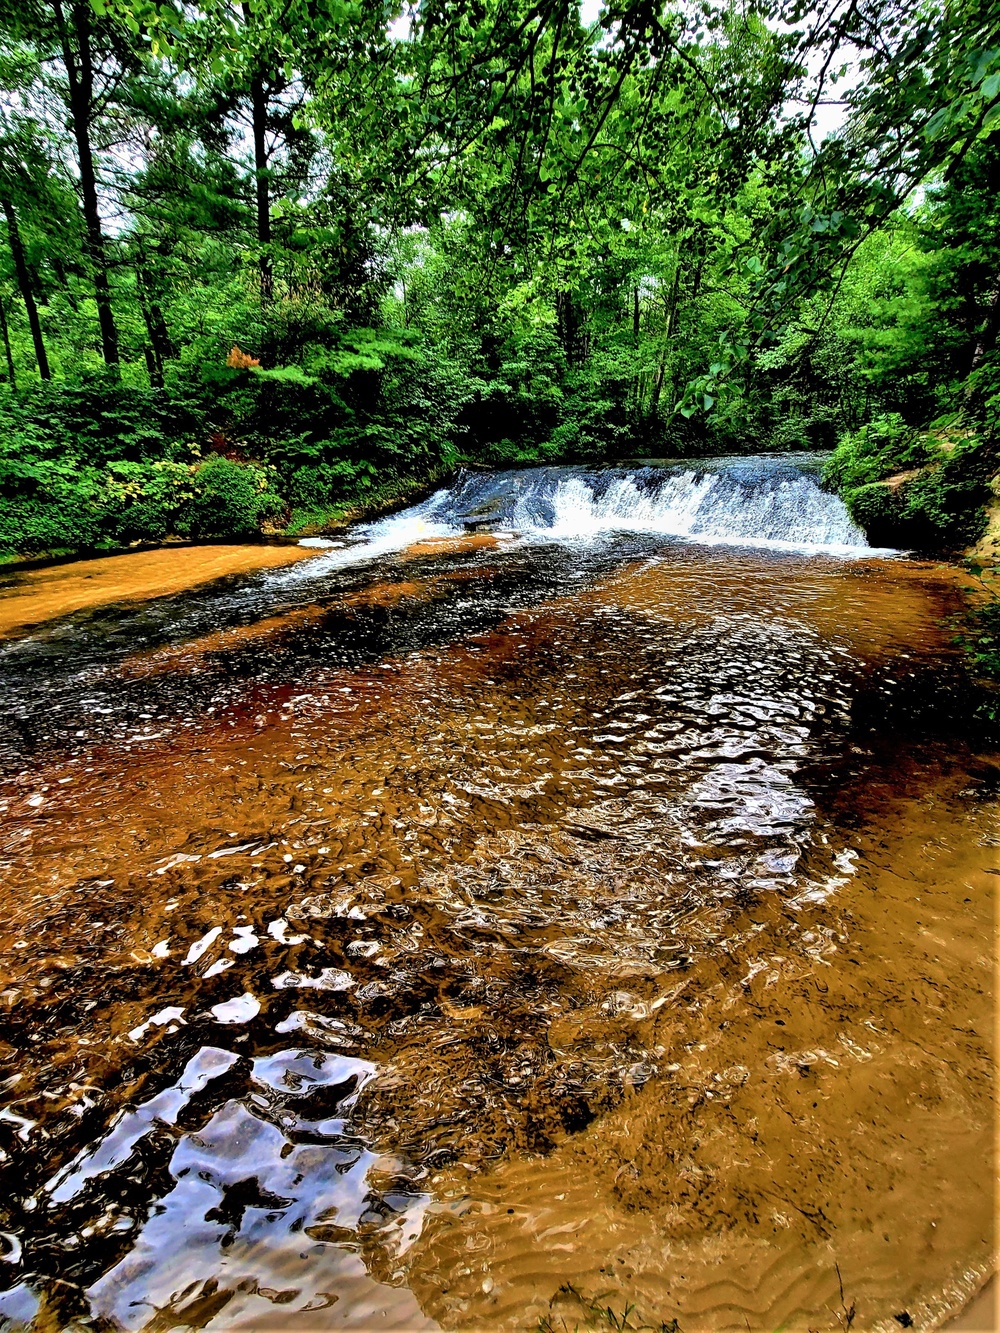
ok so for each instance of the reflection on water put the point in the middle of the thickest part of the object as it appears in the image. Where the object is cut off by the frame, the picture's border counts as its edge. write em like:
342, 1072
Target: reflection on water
458, 938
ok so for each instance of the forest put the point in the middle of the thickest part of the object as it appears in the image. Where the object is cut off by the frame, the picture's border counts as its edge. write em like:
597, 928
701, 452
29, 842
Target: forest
266, 263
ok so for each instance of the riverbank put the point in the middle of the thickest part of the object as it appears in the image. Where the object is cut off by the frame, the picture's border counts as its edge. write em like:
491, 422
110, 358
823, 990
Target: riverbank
367, 504
43, 587
926, 490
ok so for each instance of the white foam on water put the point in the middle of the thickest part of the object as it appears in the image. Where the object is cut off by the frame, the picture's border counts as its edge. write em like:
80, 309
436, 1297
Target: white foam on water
771, 503
383, 537
787, 513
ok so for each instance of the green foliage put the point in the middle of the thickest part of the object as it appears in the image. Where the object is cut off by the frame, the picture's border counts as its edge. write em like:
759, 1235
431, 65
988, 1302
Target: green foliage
143, 501
230, 500
874, 452
907, 488
65, 483
983, 641
313, 488
947, 502
507, 240
878, 511
45, 505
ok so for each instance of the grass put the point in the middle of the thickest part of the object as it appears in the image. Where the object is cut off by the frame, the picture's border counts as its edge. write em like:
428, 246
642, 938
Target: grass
598, 1313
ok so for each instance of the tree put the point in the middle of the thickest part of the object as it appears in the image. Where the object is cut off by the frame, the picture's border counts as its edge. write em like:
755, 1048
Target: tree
82, 62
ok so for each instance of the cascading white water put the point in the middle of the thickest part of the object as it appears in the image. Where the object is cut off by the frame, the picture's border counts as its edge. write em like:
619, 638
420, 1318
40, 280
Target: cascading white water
580, 511
759, 502
774, 502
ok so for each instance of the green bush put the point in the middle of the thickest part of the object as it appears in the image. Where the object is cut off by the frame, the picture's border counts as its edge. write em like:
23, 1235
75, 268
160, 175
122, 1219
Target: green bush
142, 501
320, 485
46, 503
33, 526
984, 643
947, 501
984, 394
48, 507
878, 511
230, 499
798, 431
878, 450
941, 507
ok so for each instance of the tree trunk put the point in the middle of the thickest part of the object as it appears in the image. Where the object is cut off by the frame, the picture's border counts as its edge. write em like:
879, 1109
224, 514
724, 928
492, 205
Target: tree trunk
60, 271
161, 347
668, 329
153, 362
5, 332
991, 330
258, 101
162, 341
80, 82
565, 325
24, 284
661, 367
571, 327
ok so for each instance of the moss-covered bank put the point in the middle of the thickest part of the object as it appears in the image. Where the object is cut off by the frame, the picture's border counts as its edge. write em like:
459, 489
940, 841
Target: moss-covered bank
925, 490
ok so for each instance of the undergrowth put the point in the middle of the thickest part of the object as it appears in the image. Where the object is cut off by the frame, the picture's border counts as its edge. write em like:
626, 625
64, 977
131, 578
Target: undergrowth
916, 489
980, 636
101, 464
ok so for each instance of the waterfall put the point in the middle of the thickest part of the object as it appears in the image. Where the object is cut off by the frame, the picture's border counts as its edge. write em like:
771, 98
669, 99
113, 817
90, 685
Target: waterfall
773, 502
743, 501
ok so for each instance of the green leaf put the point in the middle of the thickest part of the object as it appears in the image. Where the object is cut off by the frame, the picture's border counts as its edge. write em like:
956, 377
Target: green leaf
937, 123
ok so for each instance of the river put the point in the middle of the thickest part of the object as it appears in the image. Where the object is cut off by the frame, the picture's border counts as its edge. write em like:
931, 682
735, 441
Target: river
575, 891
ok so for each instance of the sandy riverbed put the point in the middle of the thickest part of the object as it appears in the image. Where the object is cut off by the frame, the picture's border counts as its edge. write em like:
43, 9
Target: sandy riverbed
30, 597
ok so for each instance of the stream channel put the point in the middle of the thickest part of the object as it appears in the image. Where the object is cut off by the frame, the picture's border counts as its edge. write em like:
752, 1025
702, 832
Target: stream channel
577, 888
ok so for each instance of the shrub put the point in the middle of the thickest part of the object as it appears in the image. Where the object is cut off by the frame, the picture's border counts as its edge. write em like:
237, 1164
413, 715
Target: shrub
878, 450
985, 641
946, 502
143, 500
46, 504
942, 506
878, 511
323, 484
33, 526
939, 504
799, 431
230, 500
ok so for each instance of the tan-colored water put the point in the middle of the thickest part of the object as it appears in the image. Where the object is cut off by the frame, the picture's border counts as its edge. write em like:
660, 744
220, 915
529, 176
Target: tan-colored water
638, 948
31, 597
474, 541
